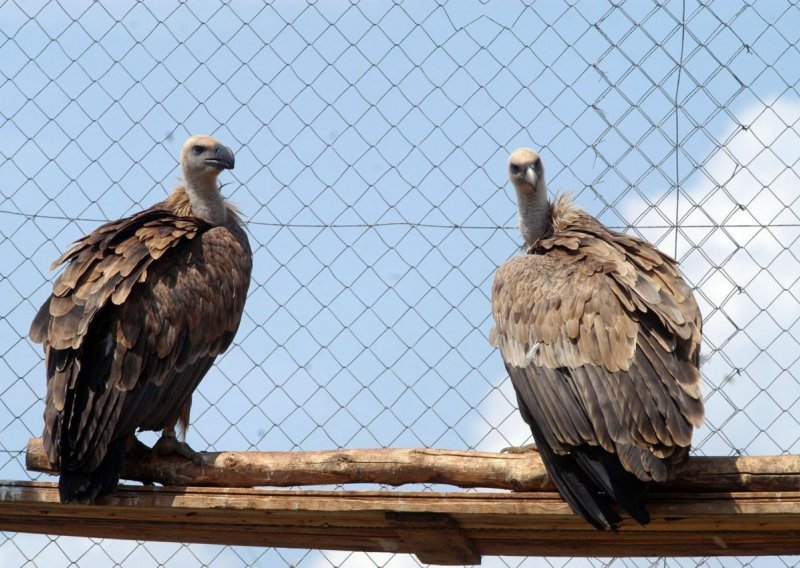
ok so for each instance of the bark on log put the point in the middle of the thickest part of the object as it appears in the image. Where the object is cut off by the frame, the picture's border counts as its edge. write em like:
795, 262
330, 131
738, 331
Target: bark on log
394, 467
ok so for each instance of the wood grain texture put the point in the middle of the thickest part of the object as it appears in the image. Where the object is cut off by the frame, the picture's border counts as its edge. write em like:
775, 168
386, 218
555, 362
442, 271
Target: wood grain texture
444, 528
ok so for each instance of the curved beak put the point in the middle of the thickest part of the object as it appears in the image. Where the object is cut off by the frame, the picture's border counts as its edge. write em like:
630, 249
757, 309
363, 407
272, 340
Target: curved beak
223, 158
531, 175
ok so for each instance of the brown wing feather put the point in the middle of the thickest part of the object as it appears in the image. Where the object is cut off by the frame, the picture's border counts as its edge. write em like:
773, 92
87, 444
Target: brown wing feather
613, 317
135, 320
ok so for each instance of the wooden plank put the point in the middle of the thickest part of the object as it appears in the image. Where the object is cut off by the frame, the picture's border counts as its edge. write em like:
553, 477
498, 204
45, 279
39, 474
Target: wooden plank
439, 527
435, 538
392, 466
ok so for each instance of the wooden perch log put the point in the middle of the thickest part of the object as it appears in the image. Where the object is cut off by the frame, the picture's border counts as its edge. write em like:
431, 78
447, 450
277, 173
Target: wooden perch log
714, 507
389, 466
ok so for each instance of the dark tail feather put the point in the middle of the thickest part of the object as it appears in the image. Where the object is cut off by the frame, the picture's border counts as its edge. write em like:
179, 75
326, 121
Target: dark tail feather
85, 487
589, 479
607, 473
578, 489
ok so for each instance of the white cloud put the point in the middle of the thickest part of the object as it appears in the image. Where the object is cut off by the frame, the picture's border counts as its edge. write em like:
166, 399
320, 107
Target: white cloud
338, 558
738, 245
747, 277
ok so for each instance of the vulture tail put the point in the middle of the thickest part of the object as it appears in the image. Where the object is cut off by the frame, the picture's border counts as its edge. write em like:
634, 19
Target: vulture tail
607, 473
589, 479
85, 487
577, 488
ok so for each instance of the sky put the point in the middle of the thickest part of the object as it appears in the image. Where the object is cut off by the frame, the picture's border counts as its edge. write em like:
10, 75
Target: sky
371, 143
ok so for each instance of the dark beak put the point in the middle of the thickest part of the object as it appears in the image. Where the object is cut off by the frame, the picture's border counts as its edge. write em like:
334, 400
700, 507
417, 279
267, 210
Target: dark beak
223, 158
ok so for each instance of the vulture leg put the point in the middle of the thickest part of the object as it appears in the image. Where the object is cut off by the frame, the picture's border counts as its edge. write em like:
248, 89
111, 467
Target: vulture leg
136, 450
169, 445
520, 449
135, 447
526, 416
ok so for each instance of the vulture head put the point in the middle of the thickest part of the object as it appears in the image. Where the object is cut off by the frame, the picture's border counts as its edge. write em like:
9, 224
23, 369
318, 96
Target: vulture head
202, 159
526, 172
204, 156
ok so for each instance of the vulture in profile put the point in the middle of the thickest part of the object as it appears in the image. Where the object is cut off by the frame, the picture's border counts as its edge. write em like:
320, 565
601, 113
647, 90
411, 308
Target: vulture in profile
137, 317
600, 335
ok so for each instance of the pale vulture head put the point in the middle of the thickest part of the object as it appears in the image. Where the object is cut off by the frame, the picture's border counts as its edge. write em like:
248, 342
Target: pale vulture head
526, 172
203, 158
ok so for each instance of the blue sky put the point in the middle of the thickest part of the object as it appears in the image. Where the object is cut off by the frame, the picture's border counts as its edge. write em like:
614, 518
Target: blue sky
370, 146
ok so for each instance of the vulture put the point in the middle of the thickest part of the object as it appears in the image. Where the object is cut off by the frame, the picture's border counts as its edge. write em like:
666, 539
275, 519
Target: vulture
135, 320
600, 335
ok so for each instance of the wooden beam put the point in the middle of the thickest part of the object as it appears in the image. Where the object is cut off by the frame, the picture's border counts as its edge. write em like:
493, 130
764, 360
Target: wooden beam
715, 506
468, 524
436, 538
390, 466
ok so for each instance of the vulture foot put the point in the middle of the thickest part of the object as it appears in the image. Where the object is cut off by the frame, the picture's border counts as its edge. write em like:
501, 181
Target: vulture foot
169, 445
520, 449
137, 448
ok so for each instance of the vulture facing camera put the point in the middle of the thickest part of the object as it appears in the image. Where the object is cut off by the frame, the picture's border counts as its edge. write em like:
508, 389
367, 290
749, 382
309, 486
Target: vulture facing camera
600, 335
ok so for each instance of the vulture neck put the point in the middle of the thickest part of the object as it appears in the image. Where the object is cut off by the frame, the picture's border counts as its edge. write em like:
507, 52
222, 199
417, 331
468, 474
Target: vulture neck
205, 199
534, 214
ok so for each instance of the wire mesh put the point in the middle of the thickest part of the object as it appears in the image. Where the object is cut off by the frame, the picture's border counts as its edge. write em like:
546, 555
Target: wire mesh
371, 141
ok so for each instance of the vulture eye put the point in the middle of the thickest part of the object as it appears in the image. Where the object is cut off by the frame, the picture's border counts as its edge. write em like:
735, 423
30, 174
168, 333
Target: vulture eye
197, 150
515, 169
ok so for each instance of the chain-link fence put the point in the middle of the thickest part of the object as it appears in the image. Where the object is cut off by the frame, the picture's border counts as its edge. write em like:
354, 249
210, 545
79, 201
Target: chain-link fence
371, 141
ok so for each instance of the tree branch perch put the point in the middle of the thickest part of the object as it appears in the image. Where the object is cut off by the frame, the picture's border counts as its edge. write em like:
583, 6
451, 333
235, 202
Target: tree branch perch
394, 467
